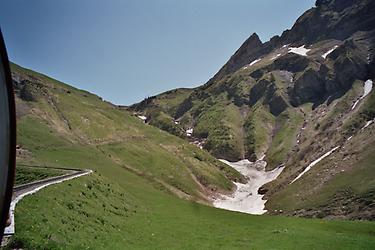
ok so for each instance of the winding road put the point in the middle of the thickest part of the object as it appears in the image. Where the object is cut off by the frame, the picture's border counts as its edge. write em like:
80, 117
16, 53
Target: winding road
30, 188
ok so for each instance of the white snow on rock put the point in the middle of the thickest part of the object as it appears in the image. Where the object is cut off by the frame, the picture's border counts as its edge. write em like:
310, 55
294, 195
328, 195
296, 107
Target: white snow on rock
355, 104
246, 198
299, 51
368, 123
262, 157
329, 52
367, 87
189, 132
312, 164
255, 61
252, 63
142, 117
275, 57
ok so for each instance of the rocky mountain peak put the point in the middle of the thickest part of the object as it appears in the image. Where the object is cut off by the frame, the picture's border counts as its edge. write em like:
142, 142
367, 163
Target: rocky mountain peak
249, 51
253, 41
331, 19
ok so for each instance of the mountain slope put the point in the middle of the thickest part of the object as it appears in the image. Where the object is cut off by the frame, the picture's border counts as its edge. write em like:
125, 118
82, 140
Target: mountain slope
53, 115
124, 203
128, 202
292, 99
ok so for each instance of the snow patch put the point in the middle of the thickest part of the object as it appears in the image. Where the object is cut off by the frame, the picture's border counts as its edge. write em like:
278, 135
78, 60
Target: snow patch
312, 164
299, 51
262, 157
255, 61
368, 123
368, 87
189, 132
366, 90
329, 52
142, 117
275, 57
246, 198
355, 104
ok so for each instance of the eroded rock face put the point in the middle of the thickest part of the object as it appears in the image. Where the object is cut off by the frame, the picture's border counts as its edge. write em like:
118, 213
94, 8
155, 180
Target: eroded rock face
350, 64
332, 19
290, 62
258, 90
28, 92
26, 88
334, 4
277, 105
307, 88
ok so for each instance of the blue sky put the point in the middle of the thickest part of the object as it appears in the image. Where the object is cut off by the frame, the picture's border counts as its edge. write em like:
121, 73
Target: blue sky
126, 50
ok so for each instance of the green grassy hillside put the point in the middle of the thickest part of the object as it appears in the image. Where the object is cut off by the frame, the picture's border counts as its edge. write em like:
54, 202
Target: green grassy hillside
131, 199
56, 117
